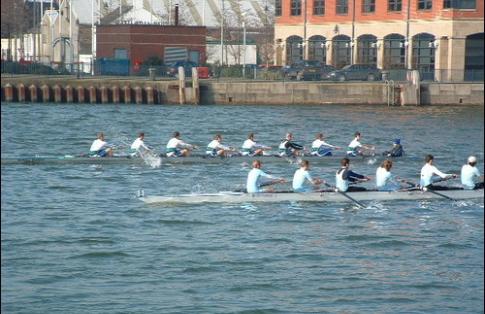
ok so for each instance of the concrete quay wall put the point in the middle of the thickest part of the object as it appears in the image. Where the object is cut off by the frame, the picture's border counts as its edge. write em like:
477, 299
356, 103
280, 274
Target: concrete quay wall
131, 90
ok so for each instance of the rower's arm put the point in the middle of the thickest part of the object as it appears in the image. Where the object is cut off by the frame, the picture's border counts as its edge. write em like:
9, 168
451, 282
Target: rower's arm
354, 177
441, 174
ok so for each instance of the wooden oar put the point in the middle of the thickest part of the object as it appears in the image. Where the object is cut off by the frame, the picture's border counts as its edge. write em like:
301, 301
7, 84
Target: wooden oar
345, 195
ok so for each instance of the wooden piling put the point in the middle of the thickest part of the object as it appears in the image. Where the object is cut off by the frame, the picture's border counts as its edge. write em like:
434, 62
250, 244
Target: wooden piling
45, 90
21, 95
92, 95
181, 73
127, 94
57, 93
150, 95
69, 94
34, 97
8, 92
104, 95
115, 91
81, 94
138, 95
195, 86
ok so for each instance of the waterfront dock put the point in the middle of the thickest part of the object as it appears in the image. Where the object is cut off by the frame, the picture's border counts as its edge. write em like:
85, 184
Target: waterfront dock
140, 90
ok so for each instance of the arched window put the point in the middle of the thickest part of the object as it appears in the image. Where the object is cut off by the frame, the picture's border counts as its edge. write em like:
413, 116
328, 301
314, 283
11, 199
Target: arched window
474, 54
317, 50
367, 49
424, 55
394, 52
341, 50
294, 49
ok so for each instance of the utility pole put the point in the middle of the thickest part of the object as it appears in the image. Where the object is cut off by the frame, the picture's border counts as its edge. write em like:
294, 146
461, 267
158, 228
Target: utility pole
244, 49
305, 30
406, 43
222, 32
352, 43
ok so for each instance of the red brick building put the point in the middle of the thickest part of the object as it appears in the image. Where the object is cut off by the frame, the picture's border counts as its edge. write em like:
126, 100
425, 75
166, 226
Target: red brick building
441, 38
137, 42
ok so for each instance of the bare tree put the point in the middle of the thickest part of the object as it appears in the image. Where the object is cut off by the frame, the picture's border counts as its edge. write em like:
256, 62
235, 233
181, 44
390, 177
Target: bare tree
14, 22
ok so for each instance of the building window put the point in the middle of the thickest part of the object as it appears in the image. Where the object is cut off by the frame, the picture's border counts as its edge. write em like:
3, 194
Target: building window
474, 57
341, 50
319, 7
369, 6
395, 5
460, 4
367, 49
294, 49
423, 58
277, 8
425, 4
295, 9
342, 6
394, 52
121, 54
317, 49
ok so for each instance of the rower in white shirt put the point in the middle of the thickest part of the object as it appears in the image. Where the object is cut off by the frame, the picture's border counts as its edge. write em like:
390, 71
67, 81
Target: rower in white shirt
470, 174
321, 148
138, 143
251, 148
356, 148
384, 178
301, 176
254, 182
178, 148
100, 148
216, 148
429, 173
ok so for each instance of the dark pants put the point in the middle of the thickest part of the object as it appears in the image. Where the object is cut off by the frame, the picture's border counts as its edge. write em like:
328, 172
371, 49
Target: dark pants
356, 189
479, 186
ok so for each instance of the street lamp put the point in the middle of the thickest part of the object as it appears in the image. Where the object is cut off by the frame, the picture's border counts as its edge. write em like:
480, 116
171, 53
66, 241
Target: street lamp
244, 48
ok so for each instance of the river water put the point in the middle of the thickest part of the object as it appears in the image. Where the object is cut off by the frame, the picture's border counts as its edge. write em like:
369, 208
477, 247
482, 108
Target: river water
75, 239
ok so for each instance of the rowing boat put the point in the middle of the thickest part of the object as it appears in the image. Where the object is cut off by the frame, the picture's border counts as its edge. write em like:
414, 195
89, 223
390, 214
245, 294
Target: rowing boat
194, 159
330, 196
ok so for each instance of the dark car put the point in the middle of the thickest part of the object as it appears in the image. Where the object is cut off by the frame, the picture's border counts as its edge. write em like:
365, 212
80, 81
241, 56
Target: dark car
306, 70
362, 72
173, 71
325, 70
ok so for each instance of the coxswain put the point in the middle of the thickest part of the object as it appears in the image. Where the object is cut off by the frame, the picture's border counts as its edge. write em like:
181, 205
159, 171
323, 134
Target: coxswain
215, 148
288, 148
301, 176
429, 173
177, 148
345, 176
470, 175
254, 182
100, 148
396, 150
251, 148
384, 178
321, 148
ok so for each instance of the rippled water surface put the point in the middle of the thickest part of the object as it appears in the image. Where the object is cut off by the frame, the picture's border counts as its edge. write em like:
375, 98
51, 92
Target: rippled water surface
76, 240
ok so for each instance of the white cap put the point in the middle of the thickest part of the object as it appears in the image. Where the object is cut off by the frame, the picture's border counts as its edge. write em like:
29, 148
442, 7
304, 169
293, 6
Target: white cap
472, 159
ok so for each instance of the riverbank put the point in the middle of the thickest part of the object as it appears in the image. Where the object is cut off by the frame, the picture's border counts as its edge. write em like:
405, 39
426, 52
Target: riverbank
134, 90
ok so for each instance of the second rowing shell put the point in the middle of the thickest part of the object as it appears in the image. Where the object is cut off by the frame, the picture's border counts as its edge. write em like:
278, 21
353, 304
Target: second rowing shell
179, 160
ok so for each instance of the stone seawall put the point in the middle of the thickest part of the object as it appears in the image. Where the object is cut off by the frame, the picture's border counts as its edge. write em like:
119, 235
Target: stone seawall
142, 91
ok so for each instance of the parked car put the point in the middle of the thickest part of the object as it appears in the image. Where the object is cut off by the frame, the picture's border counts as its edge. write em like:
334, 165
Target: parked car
307, 70
325, 70
173, 71
362, 72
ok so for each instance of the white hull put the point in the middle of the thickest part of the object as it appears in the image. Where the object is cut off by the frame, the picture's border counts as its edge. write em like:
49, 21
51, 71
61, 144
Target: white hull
231, 197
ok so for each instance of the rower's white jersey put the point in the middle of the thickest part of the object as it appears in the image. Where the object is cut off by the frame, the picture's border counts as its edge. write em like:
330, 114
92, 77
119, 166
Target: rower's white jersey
299, 179
427, 173
137, 144
354, 145
249, 144
215, 144
253, 184
468, 176
177, 143
385, 180
97, 145
316, 144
